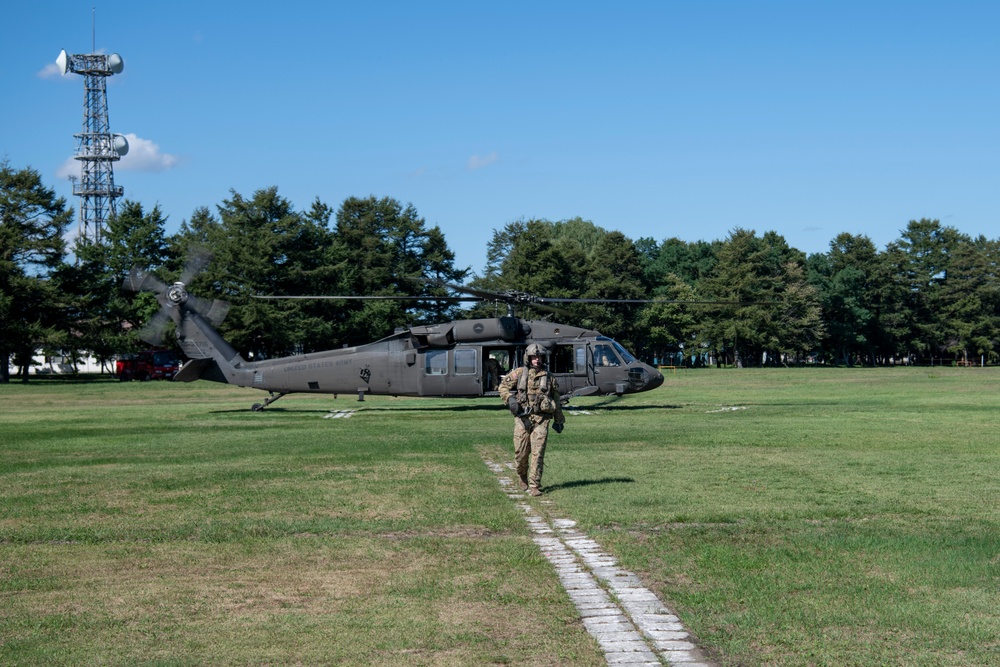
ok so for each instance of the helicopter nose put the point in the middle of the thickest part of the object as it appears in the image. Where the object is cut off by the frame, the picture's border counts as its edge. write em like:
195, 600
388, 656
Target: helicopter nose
643, 378
655, 379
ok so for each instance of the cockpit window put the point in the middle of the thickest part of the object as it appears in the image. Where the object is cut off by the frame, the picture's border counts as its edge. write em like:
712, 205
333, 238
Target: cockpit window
604, 355
620, 354
623, 353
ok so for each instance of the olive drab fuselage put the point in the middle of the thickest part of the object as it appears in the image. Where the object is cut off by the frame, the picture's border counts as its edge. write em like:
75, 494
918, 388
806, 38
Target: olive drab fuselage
464, 358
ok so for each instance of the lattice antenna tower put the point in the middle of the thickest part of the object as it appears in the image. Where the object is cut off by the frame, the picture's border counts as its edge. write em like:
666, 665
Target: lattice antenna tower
97, 148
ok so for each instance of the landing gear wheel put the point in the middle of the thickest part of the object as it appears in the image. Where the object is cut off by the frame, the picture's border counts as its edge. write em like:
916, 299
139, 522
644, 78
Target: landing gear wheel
259, 407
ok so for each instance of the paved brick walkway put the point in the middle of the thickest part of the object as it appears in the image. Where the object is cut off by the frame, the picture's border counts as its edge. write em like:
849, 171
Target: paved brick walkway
629, 622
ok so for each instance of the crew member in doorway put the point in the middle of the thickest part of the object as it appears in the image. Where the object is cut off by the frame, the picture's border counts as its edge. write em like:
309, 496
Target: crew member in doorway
492, 374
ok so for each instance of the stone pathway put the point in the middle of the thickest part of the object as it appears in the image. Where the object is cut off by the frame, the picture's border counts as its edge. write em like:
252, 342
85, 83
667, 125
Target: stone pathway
629, 622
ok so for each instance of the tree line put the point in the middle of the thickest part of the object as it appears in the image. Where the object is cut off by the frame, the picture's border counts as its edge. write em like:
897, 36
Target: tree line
747, 300
931, 296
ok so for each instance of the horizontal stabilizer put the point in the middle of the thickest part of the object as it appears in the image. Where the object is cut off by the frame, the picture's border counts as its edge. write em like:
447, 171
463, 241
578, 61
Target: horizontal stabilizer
198, 369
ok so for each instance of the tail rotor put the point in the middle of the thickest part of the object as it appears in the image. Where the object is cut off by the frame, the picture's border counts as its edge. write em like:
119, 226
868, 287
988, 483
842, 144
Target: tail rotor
174, 299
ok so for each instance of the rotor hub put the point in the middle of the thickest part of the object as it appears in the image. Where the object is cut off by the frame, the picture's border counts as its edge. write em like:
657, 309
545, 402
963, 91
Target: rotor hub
176, 294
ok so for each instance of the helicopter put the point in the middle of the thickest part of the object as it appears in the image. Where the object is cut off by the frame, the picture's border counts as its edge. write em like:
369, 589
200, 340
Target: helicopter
458, 359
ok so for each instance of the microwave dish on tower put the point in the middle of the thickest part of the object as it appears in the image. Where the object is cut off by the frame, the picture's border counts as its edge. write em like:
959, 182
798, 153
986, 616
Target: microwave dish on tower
97, 148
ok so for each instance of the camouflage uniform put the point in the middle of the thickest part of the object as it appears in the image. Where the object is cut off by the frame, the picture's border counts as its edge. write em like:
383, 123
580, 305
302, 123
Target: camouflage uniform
538, 395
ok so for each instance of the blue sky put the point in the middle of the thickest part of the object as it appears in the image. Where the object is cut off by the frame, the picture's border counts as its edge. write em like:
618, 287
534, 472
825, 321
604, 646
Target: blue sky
658, 119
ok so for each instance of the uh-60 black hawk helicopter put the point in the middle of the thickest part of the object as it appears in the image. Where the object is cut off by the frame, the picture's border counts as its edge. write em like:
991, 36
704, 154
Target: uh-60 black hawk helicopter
461, 359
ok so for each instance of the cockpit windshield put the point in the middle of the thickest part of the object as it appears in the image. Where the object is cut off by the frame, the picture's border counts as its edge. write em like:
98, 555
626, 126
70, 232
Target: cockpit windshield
608, 352
623, 353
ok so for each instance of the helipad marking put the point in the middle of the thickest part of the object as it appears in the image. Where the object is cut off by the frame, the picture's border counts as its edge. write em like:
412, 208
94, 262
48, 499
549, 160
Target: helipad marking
337, 414
628, 621
732, 408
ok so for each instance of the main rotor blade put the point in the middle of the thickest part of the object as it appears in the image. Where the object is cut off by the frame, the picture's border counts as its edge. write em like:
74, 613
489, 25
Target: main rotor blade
515, 297
681, 301
480, 294
369, 298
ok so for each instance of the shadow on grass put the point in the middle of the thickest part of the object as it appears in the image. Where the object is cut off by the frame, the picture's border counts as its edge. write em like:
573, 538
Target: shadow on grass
575, 484
361, 406
623, 408
443, 408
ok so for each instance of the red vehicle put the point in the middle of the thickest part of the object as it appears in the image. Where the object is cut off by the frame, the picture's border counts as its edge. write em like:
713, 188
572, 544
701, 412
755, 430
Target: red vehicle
148, 365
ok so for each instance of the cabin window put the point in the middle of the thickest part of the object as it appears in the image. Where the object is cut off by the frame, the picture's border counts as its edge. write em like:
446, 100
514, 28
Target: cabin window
465, 362
581, 360
436, 362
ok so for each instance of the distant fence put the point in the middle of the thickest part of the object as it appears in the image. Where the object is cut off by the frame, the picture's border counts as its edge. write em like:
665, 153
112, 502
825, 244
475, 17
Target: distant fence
943, 361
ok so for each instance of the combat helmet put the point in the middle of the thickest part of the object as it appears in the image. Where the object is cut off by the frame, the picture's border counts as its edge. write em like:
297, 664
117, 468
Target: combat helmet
533, 350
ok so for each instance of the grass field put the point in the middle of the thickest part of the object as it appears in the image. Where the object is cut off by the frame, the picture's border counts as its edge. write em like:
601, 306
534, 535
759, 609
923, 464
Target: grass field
790, 517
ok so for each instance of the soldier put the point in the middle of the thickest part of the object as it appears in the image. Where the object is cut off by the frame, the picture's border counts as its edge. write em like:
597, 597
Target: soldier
492, 374
533, 398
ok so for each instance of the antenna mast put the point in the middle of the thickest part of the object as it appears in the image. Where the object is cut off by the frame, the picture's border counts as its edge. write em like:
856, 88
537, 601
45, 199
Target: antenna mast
97, 148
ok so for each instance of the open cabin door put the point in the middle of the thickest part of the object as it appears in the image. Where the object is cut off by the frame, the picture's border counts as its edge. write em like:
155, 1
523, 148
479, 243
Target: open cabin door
497, 362
569, 364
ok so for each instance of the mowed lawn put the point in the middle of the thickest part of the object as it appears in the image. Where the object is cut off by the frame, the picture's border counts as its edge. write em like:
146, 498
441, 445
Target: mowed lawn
790, 517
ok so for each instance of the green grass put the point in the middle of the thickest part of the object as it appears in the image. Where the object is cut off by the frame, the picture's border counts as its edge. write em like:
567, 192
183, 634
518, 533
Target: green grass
791, 517
840, 517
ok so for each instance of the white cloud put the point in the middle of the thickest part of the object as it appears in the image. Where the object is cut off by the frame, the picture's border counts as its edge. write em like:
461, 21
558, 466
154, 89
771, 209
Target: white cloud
143, 155
70, 167
50, 71
480, 161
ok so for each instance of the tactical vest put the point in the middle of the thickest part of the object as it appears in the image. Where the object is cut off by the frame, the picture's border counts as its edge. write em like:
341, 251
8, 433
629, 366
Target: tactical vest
538, 402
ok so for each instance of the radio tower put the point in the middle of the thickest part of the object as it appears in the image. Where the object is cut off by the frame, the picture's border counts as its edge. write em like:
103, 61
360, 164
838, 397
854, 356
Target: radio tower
97, 148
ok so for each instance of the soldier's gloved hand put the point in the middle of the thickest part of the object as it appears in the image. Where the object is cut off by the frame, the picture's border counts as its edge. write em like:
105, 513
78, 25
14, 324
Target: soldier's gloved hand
515, 407
558, 427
